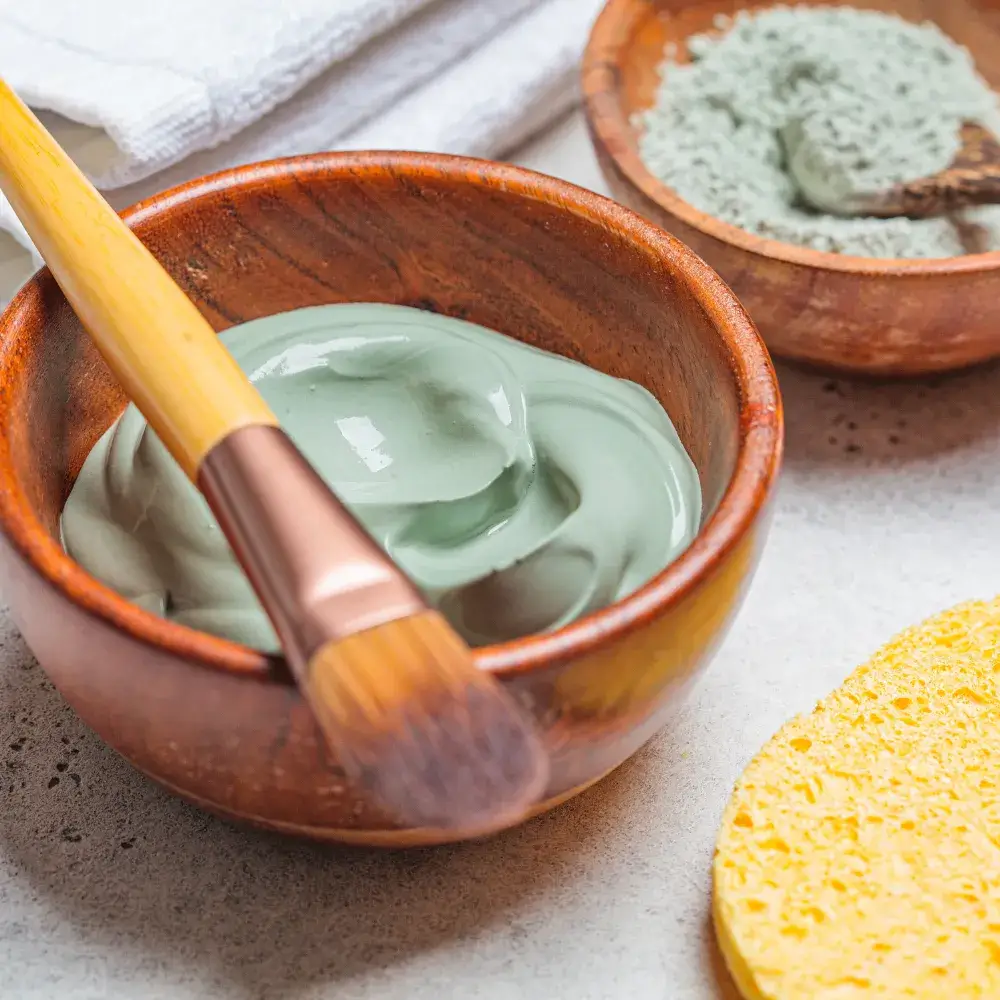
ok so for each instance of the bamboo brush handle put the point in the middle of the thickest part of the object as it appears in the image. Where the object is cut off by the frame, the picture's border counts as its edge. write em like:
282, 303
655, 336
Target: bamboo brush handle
162, 350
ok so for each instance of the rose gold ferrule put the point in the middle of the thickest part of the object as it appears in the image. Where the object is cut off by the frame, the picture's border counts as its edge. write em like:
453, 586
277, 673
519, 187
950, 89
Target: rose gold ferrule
317, 572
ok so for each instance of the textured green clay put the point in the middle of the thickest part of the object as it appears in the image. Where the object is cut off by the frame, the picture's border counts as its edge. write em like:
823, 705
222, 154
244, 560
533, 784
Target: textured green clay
787, 119
518, 489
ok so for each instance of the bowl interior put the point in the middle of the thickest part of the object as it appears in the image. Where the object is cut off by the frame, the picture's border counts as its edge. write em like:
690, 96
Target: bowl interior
544, 262
973, 23
635, 33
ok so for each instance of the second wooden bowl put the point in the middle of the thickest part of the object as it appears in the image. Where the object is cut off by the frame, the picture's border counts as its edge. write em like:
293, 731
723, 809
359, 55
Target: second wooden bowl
545, 262
853, 314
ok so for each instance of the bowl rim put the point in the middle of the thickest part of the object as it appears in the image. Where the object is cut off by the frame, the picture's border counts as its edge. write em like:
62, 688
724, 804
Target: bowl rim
612, 131
757, 461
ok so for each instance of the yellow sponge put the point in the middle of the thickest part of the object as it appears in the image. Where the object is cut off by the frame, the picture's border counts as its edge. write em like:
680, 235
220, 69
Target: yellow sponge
859, 856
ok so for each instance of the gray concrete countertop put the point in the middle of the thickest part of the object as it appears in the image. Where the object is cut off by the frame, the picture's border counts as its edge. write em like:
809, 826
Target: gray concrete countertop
889, 510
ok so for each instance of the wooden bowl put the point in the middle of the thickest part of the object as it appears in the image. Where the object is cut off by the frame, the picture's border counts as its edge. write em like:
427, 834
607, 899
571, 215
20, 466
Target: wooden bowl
853, 314
549, 263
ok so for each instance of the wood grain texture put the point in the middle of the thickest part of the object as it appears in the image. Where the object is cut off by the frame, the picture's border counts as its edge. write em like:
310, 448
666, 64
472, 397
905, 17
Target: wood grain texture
852, 314
158, 343
531, 256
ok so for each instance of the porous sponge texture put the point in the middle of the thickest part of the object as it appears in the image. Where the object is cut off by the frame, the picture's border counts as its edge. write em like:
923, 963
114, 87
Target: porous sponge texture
859, 856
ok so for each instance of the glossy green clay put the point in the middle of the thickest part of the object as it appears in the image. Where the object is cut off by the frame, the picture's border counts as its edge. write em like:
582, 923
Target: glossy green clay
518, 489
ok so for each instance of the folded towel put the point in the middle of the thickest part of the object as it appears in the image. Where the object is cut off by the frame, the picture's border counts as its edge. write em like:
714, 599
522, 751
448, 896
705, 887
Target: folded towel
387, 71
497, 97
163, 80
436, 81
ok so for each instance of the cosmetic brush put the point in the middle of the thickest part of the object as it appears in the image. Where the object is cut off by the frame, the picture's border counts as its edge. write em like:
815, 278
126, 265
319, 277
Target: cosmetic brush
422, 732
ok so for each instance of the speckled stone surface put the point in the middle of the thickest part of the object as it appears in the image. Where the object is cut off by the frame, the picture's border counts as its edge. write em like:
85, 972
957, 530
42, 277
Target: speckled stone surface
889, 510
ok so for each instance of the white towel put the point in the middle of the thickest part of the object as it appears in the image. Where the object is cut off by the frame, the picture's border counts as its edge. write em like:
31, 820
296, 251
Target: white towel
461, 76
165, 79
497, 97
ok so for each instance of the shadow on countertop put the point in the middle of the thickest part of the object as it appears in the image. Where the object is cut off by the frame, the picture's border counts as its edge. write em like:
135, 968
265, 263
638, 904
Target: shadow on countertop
840, 421
227, 911
723, 980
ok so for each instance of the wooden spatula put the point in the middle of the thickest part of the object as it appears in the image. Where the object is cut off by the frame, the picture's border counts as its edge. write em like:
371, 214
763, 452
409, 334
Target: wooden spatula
972, 179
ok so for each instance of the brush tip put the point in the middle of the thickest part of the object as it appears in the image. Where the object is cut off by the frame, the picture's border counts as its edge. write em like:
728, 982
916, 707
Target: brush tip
471, 762
435, 741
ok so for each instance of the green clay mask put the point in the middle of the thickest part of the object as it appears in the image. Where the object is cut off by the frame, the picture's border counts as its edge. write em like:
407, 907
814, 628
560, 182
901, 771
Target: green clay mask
517, 489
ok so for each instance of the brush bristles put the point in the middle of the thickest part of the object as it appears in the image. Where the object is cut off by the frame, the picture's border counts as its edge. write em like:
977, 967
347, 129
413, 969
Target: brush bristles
436, 742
